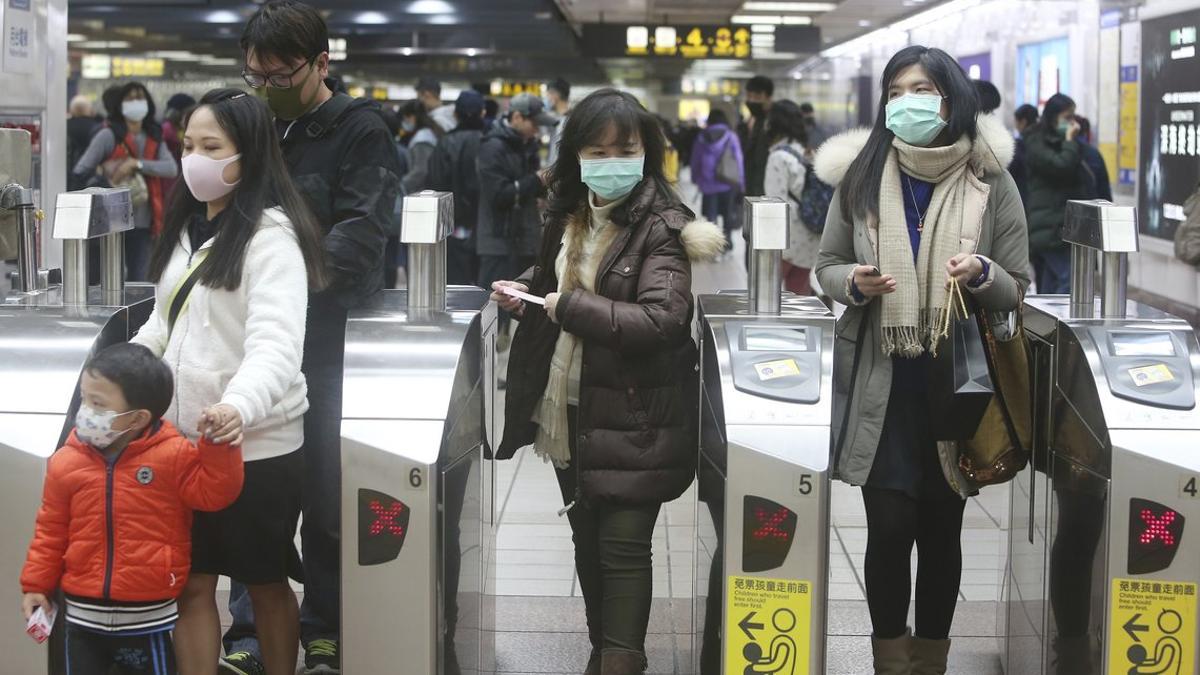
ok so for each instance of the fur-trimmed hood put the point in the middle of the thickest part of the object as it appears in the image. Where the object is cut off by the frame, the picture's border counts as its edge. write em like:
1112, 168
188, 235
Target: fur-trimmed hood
702, 240
992, 153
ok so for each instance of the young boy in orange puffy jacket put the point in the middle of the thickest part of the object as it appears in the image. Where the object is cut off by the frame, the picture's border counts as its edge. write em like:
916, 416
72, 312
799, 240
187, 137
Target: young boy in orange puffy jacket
114, 528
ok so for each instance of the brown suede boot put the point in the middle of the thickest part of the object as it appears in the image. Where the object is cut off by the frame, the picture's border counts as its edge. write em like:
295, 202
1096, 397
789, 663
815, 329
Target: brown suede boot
891, 656
929, 656
622, 662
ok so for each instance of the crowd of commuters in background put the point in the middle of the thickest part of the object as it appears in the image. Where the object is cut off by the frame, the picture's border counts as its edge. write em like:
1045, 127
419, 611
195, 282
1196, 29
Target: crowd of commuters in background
298, 204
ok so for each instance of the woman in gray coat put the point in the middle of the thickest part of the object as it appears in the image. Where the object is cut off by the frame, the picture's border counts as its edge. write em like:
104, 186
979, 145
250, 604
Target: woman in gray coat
923, 201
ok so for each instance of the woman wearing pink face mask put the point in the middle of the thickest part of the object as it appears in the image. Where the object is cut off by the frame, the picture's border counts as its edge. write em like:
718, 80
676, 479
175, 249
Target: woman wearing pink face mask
238, 254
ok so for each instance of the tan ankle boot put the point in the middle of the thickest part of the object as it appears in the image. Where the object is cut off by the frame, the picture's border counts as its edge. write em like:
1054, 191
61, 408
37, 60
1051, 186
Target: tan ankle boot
891, 656
622, 662
929, 656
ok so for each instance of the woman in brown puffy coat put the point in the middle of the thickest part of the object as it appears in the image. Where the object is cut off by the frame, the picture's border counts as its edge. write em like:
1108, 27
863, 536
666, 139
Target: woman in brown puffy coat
602, 380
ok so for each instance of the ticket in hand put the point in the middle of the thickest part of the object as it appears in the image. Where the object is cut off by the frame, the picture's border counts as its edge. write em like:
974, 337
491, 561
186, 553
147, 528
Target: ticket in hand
509, 290
40, 624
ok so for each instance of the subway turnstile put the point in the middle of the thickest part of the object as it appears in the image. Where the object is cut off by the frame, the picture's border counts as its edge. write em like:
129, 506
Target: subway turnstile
762, 544
1103, 567
418, 488
46, 336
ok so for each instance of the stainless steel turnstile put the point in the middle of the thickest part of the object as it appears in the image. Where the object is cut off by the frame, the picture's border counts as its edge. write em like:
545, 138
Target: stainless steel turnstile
1103, 571
44, 344
762, 540
418, 487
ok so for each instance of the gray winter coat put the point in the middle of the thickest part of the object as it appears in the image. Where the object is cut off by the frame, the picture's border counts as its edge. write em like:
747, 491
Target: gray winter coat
1003, 239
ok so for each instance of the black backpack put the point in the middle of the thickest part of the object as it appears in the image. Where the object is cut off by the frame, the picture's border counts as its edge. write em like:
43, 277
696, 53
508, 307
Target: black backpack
453, 168
815, 197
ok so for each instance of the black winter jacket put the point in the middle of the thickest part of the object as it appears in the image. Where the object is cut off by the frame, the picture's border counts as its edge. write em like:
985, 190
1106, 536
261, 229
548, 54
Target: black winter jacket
638, 388
453, 168
509, 186
343, 159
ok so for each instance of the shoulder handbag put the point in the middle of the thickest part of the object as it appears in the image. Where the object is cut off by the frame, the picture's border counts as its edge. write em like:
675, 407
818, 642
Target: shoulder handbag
1001, 445
728, 171
139, 192
815, 197
177, 301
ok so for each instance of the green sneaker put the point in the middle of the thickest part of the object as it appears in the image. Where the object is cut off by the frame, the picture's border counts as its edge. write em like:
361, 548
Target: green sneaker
241, 663
321, 658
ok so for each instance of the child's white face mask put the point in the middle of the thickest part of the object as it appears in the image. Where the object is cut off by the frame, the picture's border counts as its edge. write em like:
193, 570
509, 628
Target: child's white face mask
95, 428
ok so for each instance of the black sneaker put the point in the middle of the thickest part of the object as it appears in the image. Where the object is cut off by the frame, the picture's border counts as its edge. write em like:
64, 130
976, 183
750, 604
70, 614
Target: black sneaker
241, 663
321, 658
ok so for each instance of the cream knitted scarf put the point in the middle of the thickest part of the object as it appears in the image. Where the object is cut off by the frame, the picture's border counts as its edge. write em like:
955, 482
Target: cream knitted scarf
914, 316
586, 238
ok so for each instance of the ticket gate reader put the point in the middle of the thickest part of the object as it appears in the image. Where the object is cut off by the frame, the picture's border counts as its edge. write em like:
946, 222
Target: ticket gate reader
418, 487
44, 344
1103, 572
762, 540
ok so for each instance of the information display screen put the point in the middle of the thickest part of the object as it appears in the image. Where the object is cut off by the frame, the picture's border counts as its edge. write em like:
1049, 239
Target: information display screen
773, 339
1143, 344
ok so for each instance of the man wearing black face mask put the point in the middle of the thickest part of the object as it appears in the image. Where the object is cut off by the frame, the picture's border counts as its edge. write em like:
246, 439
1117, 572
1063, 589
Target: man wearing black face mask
752, 131
342, 157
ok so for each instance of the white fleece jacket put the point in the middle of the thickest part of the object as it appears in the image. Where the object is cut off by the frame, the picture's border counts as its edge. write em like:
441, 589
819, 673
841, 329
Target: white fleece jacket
241, 347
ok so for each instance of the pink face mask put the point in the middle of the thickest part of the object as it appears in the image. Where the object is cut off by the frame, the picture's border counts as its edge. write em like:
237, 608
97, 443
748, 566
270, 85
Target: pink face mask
204, 176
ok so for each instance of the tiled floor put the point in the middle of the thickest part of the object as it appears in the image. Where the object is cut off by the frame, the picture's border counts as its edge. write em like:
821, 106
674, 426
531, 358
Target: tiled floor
541, 613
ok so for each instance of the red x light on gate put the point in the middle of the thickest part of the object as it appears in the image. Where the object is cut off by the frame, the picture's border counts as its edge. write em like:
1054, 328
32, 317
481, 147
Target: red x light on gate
1155, 532
767, 532
382, 527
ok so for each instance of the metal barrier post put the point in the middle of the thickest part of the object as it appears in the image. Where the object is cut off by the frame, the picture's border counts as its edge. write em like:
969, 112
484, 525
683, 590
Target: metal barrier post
83, 215
767, 218
1098, 225
19, 200
428, 221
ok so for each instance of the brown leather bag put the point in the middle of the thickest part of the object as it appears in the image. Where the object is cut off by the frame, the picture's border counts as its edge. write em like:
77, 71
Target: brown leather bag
1001, 445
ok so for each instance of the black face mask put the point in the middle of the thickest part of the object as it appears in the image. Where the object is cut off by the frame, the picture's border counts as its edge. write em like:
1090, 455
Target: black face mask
756, 109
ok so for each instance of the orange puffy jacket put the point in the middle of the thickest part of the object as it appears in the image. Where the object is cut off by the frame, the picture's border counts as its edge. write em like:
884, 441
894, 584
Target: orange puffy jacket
123, 531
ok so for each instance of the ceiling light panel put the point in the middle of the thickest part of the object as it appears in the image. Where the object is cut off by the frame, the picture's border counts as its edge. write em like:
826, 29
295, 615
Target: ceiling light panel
755, 6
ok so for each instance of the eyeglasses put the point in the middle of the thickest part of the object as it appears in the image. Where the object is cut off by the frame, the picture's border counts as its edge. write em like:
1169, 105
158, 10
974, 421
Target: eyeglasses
259, 80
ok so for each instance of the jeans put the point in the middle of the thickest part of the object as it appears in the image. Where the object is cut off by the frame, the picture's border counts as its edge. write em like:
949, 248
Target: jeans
613, 561
1052, 270
720, 204
138, 243
320, 541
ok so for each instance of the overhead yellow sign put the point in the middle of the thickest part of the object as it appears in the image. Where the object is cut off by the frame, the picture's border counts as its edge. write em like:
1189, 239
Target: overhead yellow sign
1152, 627
767, 624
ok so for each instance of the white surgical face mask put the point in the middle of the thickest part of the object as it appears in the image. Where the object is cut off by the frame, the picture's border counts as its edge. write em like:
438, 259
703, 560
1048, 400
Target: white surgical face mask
95, 428
136, 110
205, 176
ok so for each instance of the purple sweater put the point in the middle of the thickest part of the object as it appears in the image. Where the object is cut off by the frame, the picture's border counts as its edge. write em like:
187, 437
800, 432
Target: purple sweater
706, 156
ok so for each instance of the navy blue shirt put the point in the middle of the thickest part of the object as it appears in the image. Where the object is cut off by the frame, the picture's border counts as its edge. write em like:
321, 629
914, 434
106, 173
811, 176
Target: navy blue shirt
917, 196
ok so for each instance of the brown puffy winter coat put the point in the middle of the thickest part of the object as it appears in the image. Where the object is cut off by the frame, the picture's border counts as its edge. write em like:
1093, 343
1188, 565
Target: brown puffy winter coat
638, 390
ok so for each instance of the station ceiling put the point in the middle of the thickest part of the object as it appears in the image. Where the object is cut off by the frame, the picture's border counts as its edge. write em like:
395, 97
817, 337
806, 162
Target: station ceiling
468, 40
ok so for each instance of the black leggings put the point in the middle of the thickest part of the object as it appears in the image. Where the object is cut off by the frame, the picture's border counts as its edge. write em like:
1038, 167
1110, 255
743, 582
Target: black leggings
894, 522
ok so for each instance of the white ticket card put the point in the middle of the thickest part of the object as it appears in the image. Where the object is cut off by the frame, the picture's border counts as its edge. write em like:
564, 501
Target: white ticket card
509, 290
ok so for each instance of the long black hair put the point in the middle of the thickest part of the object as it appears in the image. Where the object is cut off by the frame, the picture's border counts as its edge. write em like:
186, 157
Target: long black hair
785, 121
860, 187
1057, 104
424, 121
116, 118
588, 124
265, 183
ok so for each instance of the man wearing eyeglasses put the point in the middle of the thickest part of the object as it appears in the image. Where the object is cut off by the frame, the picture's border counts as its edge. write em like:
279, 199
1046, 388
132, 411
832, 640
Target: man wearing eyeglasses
343, 159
